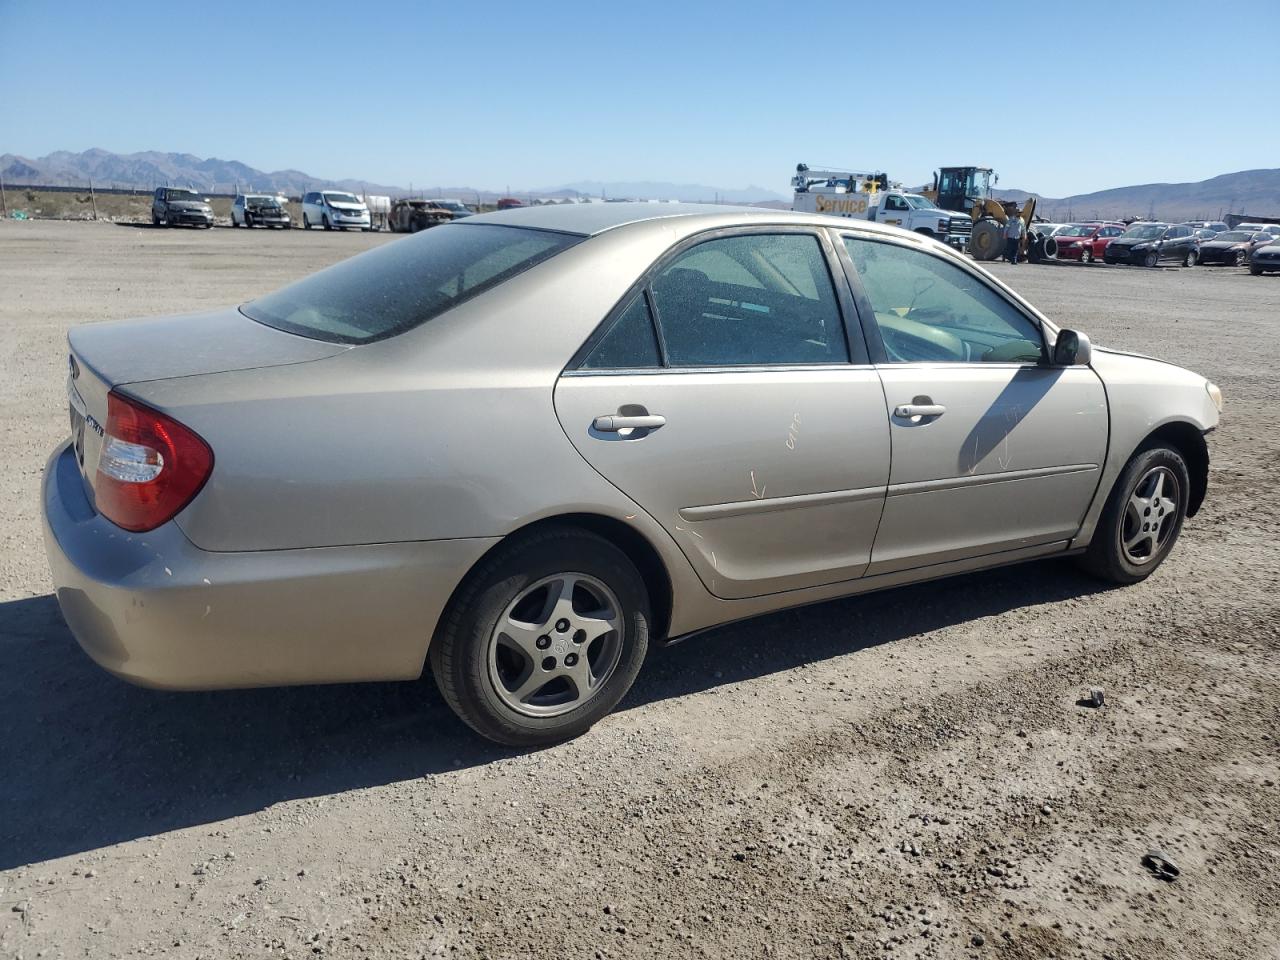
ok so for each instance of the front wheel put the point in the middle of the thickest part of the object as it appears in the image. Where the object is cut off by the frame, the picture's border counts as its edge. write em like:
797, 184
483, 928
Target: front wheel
1238, 260
306, 224
1192, 259
543, 639
1255, 271
1151, 259
324, 222
1086, 256
1142, 518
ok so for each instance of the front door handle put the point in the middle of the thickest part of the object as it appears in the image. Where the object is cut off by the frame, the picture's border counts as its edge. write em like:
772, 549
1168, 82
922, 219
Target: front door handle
616, 422
909, 411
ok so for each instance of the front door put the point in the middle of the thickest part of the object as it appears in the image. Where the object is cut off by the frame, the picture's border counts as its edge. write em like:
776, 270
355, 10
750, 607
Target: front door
993, 449
726, 398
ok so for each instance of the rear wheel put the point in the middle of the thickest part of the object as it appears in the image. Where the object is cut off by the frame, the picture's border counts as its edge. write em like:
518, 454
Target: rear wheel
1142, 518
543, 639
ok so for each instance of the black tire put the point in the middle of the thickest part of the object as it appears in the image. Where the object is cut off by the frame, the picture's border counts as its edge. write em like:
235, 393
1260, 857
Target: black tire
155, 221
1086, 255
460, 650
1151, 259
1191, 259
1106, 557
1255, 271
1239, 260
248, 222
306, 224
324, 221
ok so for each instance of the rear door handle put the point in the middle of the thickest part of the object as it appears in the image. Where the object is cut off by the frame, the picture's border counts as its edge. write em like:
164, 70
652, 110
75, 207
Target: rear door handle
617, 422
908, 411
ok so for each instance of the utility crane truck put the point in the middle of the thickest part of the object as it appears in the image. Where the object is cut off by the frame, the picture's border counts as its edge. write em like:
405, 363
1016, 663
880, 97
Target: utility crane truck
873, 196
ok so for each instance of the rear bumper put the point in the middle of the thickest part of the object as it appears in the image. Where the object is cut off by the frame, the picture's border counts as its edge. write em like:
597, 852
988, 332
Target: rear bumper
155, 610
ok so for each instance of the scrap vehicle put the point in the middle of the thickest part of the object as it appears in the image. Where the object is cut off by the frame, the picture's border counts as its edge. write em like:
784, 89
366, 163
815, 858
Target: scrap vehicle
410, 216
1233, 248
459, 208
1271, 228
258, 209
1217, 226
872, 196
1085, 242
334, 209
178, 206
509, 203
1147, 243
1265, 259
968, 190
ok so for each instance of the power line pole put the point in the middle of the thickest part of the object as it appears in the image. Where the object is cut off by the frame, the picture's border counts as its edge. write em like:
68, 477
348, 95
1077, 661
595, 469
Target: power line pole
93, 199
4, 204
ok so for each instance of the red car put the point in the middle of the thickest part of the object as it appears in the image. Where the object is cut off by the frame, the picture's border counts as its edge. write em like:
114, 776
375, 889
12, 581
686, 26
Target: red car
507, 203
1086, 241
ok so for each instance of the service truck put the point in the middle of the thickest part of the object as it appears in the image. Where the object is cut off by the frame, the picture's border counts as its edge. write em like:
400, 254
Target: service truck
873, 196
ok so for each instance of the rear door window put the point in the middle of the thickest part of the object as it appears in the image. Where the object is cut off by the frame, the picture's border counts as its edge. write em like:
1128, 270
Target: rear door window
749, 300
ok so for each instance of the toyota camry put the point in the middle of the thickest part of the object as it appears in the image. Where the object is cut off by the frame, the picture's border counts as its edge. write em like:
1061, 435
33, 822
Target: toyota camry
523, 447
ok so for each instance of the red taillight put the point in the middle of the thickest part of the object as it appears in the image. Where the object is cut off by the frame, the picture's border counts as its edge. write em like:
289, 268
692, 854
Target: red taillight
150, 468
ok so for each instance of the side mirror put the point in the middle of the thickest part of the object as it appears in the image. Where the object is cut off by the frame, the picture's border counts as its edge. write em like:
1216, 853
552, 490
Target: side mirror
1072, 349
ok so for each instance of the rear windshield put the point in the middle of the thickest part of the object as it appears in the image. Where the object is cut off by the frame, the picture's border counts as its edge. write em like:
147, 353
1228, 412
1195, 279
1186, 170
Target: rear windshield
402, 284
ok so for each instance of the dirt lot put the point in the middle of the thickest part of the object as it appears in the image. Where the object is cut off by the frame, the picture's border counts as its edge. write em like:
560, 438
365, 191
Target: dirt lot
906, 774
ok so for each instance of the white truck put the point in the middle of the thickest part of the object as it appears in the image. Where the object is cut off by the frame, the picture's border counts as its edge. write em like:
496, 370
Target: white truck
872, 196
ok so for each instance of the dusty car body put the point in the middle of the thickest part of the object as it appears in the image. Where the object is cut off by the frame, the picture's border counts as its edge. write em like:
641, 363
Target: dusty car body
1085, 242
525, 445
1148, 244
1233, 248
410, 216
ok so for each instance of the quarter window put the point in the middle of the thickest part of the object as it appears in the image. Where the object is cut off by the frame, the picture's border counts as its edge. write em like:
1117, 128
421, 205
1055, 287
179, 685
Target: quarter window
629, 344
929, 310
749, 300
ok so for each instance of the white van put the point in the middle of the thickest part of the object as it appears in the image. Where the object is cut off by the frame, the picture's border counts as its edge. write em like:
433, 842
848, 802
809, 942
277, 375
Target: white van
334, 209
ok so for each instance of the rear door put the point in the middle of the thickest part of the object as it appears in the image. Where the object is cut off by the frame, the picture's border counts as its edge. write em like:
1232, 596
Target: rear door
993, 449
730, 396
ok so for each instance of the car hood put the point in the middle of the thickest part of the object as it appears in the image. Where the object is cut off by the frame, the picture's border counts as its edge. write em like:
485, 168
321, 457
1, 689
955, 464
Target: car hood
347, 207
163, 348
1223, 244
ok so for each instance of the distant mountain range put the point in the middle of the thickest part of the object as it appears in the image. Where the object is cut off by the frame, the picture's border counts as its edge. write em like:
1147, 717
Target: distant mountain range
1255, 192
150, 169
1249, 191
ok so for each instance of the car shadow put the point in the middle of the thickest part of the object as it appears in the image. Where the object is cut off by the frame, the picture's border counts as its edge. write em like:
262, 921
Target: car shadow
90, 761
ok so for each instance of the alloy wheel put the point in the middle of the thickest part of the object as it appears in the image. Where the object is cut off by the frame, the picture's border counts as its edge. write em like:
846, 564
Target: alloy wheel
1151, 516
555, 645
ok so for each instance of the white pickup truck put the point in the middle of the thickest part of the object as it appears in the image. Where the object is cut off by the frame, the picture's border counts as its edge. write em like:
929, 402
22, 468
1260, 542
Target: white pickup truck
865, 196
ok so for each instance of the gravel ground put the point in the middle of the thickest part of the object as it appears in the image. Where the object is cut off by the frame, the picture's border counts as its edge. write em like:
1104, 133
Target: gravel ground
906, 774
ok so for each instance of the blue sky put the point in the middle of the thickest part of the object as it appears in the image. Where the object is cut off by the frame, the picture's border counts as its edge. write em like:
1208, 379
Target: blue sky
726, 94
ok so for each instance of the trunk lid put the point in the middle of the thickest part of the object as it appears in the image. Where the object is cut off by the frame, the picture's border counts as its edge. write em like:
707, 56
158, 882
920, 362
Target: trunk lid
108, 355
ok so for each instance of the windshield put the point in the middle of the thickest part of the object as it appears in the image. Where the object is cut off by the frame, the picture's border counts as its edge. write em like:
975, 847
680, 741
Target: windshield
1077, 230
261, 202
185, 195
401, 285
341, 198
1146, 231
918, 202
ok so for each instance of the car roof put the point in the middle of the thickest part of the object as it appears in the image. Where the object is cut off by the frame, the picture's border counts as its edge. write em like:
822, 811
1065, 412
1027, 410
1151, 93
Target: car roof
590, 219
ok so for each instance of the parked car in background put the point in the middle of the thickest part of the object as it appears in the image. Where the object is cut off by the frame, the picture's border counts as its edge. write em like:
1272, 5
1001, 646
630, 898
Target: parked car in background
459, 208
1204, 233
507, 203
259, 209
1217, 226
410, 216
482, 446
1271, 228
1265, 259
1147, 244
1234, 247
334, 210
178, 206
1085, 242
